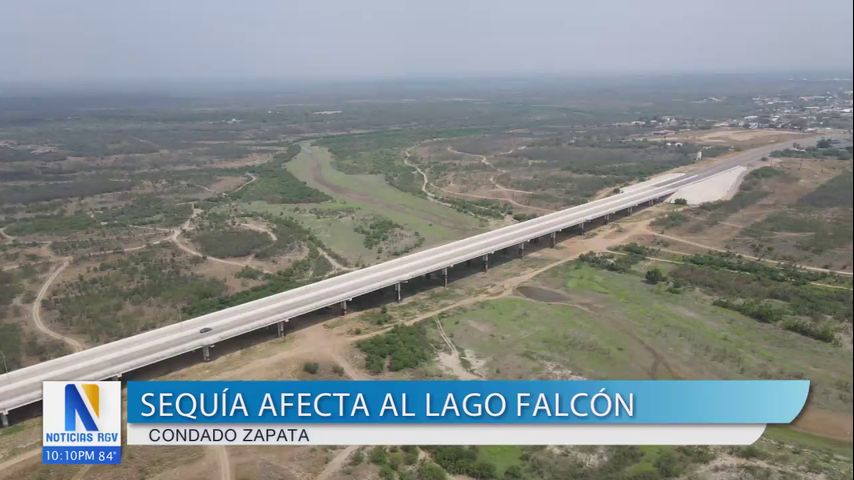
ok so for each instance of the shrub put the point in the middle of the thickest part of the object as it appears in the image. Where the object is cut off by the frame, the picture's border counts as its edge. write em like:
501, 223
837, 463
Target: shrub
823, 332
430, 471
671, 220
404, 346
653, 276
759, 310
310, 367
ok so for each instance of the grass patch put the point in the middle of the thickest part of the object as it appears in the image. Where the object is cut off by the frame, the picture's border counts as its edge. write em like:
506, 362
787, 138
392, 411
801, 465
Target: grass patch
633, 319
51, 225
231, 243
85, 186
836, 192
787, 434
374, 196
501, 457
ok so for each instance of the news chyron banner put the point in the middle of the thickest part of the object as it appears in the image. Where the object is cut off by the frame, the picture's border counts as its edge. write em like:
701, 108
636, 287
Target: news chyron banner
459, 412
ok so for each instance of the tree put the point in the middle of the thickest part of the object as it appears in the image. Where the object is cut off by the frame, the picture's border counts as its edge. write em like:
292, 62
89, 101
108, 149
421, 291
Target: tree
514, 472
482, 470
653, 276
431, 471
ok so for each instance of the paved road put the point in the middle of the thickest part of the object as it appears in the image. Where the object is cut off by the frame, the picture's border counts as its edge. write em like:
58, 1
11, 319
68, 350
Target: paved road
24, 386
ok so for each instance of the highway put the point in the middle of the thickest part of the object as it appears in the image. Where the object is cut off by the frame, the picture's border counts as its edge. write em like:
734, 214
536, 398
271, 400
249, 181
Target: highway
24, 386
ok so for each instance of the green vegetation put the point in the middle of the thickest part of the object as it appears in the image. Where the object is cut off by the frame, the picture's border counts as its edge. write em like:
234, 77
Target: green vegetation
298, 273
231, 243
670, 220
219, 235
18, 348
654, 276
626, 160
462, 461
275, 184
249, 272
834, 193
383, 234
572, 170
644, 331
11, 345
374, 196
820, 151
147, 210
377, 231
637, 249
51, 225
737, 263
311, 368
611, 262
381, 153
480, 208
10, 287
506, 459
400, 348
397, 463
763, 311
130, 295
516, 463
81, 187
751, 287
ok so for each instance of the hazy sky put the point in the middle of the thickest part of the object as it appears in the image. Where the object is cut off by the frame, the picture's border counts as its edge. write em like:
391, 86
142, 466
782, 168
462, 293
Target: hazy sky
57, 40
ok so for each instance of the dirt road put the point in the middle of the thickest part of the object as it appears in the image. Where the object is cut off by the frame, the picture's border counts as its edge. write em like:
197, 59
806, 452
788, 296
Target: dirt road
749, 257
336, 463
75, 344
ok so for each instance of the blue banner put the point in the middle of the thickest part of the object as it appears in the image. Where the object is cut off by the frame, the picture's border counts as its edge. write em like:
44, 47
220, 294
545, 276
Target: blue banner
462, 402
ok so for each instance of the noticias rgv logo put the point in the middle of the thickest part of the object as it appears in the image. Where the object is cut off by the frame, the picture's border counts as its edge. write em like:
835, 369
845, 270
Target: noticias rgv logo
86, 410
82, 422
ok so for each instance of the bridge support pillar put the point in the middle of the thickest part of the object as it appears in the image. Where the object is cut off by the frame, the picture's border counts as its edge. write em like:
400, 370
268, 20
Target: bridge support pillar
486, 263
630, 210
553, 239
445, 277
581, 226
4, 418
206, 353
651, 203
280, 329
521, 249
343, 307
607, 218
397, 291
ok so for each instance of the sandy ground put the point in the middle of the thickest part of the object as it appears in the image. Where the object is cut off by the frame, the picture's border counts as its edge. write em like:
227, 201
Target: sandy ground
737, 137
718, 187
